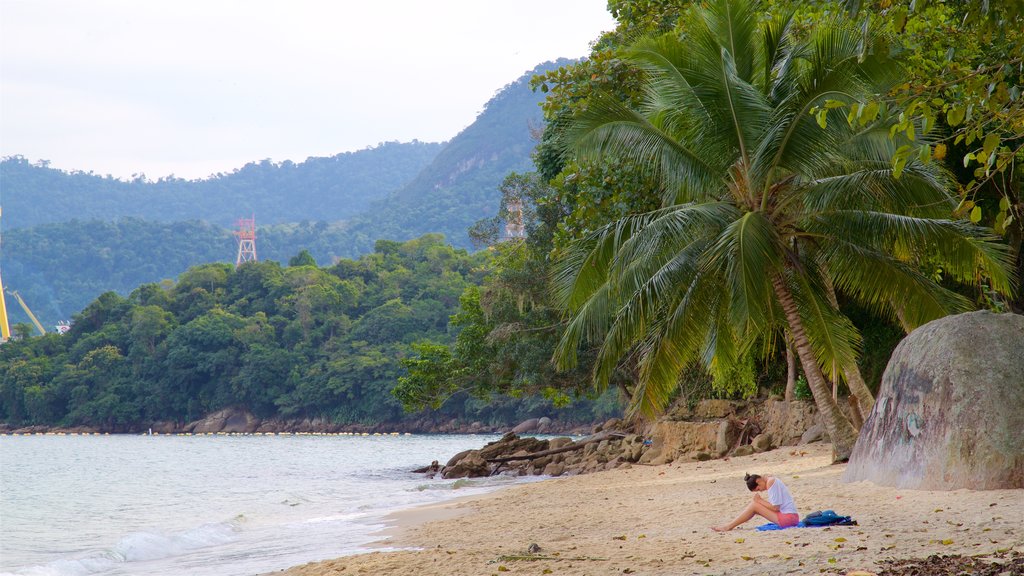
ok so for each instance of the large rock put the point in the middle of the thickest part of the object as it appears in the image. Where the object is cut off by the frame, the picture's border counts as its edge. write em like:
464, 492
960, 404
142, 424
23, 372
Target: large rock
233, 420
671, 438
950, 411
787, 421
471, 465
527, 426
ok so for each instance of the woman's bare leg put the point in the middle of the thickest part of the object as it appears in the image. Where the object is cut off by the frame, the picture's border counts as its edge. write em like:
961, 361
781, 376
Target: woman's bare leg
755, 508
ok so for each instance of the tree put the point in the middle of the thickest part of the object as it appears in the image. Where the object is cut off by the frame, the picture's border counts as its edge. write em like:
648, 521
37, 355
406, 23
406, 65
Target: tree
303, 258
767, 211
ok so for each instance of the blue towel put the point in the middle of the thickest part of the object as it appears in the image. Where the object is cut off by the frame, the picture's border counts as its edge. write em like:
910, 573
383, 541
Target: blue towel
774, 526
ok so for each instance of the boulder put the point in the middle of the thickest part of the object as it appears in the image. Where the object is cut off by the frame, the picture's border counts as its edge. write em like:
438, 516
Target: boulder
543, 425
527, 426
226, 420
559, 442
745, 450
471, 465
762, 443
950, 410
673, 438
787, 421
612, 424
454, 459
728, 434
240, 421
813, 434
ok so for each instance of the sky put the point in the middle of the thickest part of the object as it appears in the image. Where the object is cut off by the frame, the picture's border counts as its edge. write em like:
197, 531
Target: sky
196, 87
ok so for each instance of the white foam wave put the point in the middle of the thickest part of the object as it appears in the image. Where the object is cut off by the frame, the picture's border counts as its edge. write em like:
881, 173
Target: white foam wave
138, 547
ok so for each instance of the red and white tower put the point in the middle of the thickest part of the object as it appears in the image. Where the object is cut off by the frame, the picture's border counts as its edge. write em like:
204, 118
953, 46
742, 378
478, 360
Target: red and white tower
246, 233
514, 227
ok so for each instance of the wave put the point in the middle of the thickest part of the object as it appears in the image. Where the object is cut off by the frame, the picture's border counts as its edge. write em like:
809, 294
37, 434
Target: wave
139, 547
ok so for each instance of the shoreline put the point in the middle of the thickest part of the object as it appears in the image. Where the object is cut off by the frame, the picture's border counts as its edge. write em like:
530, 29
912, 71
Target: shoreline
656, 520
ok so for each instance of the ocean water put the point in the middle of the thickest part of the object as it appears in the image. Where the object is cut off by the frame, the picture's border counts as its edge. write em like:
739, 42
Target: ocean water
209, 505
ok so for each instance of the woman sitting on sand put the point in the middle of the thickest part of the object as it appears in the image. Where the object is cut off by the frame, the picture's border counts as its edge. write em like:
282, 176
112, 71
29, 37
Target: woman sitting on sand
778, 507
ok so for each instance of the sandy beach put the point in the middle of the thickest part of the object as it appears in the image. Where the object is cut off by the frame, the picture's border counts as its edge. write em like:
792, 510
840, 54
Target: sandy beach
655, 520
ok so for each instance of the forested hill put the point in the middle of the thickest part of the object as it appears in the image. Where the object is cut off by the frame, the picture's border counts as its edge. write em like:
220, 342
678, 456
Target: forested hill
60, 268
290, 342
461, 185
334, 188
71, 236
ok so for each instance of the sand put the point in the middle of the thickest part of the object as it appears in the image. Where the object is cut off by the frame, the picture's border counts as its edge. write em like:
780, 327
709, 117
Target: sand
654, 520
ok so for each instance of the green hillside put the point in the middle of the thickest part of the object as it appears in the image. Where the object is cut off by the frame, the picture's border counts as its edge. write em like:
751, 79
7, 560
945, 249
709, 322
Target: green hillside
71, 236
334, 188
461, 185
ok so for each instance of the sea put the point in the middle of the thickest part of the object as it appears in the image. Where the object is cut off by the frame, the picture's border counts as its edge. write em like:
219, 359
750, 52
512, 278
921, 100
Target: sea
162, 505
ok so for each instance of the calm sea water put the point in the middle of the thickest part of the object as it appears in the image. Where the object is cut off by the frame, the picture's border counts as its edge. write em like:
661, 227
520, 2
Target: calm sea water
208, 505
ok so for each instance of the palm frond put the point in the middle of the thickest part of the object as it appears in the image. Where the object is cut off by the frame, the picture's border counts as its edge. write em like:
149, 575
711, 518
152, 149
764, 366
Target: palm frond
964, 250
749, 252
834, 339
889, 287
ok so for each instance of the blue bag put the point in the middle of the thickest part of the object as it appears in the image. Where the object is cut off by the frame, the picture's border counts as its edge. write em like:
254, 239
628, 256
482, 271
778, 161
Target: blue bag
828, 518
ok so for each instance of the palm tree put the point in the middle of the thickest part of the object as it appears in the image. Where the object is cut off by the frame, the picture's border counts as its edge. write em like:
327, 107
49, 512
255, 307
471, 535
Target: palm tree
768, 210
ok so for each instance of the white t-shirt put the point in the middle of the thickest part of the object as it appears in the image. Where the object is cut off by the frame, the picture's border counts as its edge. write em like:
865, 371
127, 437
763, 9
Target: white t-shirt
779, 496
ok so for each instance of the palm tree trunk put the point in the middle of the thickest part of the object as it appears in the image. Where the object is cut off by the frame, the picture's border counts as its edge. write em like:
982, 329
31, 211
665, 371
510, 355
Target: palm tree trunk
840, 430
790, 370
854, 380
865, 400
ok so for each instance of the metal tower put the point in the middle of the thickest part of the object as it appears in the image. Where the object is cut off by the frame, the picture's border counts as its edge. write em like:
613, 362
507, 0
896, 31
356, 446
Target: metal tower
246, 233
514, 227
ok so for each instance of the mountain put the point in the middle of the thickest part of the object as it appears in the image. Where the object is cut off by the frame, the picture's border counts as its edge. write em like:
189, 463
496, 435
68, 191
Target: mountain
71, 236
334, 188
461, 185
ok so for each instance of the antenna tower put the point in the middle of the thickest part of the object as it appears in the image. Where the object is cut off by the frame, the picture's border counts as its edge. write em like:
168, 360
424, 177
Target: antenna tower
246, 233
514, 227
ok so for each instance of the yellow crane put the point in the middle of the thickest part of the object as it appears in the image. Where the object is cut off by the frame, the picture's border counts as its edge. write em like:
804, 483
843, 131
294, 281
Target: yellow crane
5, 328
28, 312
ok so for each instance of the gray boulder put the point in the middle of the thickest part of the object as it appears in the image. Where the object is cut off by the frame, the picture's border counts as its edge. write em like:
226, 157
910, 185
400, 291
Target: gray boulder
472, 465
950, 411
812, 434
527, 426
762, 443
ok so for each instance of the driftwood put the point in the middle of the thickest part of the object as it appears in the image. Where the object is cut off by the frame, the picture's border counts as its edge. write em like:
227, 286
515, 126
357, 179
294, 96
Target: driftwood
603, 435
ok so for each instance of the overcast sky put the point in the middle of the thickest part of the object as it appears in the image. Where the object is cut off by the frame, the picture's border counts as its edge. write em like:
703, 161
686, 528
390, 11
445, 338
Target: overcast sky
195, 87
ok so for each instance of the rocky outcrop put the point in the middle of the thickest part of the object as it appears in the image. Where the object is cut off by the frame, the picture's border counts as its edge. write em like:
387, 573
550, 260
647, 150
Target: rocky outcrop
713, 428
950, 410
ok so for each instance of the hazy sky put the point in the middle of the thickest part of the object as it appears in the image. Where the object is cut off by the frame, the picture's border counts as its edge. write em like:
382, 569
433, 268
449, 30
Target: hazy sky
194, 87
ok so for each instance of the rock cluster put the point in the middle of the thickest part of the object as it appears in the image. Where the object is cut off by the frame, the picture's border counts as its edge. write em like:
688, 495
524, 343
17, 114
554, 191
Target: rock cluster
713, 429
610, 447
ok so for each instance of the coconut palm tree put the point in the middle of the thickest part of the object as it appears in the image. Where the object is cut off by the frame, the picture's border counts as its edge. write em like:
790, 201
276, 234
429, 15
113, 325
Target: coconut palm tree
778, 193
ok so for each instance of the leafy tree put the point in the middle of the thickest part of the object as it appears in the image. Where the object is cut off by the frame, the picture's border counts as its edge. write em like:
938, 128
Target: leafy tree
303, 258
767, 213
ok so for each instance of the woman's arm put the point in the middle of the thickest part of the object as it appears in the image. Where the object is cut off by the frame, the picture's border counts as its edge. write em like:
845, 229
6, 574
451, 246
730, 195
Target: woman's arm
768, 503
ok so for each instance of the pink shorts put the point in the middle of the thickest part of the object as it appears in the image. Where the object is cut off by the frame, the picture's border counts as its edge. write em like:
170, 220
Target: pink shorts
787, 520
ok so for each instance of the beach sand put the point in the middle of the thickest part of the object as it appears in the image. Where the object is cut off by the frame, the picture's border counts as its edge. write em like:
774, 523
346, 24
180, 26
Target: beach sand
655, 520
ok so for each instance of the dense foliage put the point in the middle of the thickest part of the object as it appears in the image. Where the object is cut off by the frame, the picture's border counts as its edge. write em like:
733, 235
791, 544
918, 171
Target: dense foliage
767, 211
292, 342
60, 268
